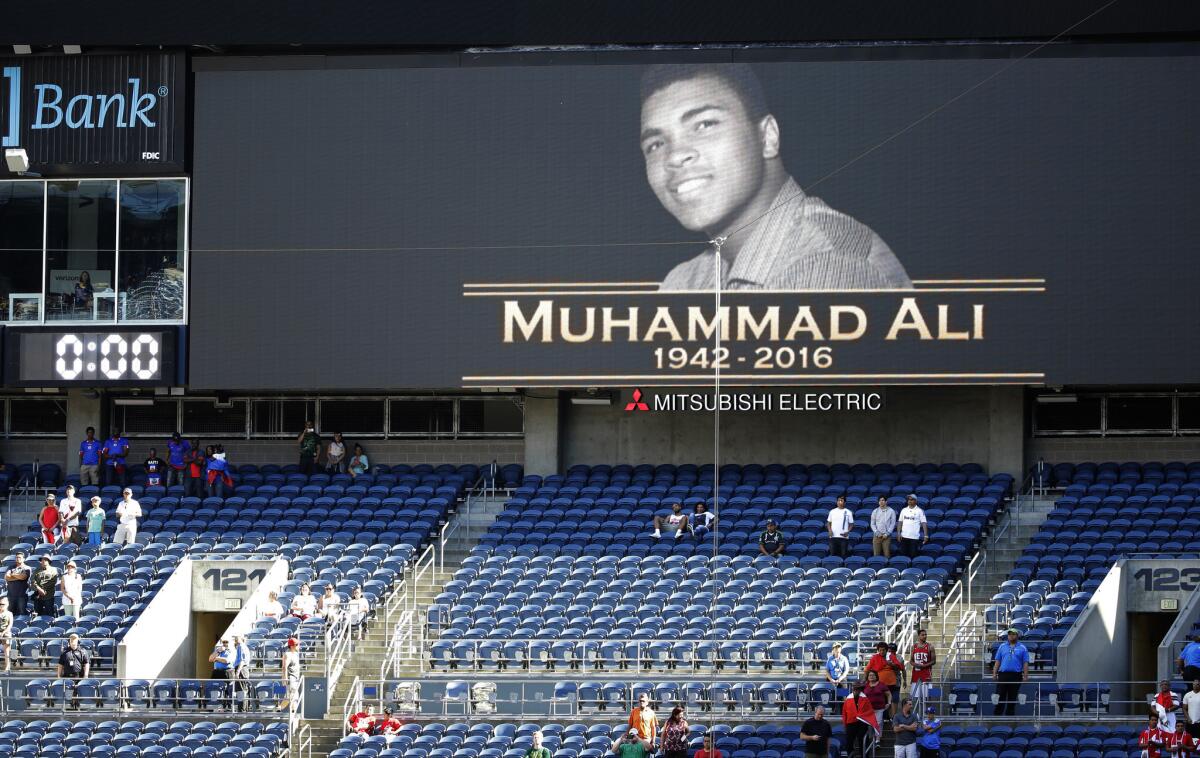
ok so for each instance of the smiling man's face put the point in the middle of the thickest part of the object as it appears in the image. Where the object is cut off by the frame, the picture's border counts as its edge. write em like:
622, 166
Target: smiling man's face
704, 156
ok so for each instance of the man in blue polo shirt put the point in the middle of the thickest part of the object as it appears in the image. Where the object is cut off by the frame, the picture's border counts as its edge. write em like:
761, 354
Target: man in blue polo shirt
223, 660
89, 459
115, 450
1189, 660
1009, 669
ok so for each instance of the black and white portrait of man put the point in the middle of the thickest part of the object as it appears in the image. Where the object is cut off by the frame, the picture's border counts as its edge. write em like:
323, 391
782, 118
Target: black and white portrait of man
713, 158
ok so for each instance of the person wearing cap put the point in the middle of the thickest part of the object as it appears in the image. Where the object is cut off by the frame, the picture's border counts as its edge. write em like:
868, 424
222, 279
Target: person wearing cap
6, 631
16, 581
69, 511
883, 523
840, 523
771, 542
71, 585
222, 658
929, 737
45, 582
290, 669
816, 733
1189, 660
50, 521
75, 662
837, 667
95, 522
643, 719
912, 530
1010, 667
904, 725
859, 719
128, 512
632, 745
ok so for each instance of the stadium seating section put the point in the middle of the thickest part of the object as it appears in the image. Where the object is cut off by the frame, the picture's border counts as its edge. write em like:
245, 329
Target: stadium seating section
136, 739
1106, 510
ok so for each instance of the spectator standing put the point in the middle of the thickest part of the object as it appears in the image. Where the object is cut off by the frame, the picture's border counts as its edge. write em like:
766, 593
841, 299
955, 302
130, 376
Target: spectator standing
115, 449
1179, 744
1167, 704
222, 659
632, 745
536, 750
859, 718
897, 665
929, 735
327, 604
335, 455
177, 451
194, 467
304, 604
644, 721
69, 511
676, 522
1151, 739
707, 750
128, 512
90, 451
272, 608
1191, 709
50, 521
45, 582
1189, 660
1010, 667
16, 581
360, 463
883, 523
71, 585
912, 530
358, 609
922, 658
884, 665
772, 542
816, 733
291, 671
879, 694
675, 735
218, 473
95, 522
74, 663
155, 468
310, 448
837, 667
702, 521
241, 672
6, 630
905, 724
840, 522
81, 298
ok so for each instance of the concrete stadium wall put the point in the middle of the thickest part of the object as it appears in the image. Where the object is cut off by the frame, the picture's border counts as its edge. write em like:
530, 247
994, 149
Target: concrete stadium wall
983, 425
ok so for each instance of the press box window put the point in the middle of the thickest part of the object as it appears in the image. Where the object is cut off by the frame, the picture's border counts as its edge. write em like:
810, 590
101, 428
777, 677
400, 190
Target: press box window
1138, 414
500, 416
422, 417
352, 416
33, 416
1055, 413
158, 418
1189, 413
208, 417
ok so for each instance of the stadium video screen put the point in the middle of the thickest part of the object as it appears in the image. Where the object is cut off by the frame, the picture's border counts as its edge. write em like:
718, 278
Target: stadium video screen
952, 220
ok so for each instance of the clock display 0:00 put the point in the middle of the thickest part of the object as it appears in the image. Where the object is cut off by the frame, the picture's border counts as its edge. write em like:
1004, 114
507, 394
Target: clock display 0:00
142, 361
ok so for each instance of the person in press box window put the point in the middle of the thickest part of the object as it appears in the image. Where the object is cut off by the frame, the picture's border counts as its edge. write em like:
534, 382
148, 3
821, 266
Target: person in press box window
713, 157
840, 522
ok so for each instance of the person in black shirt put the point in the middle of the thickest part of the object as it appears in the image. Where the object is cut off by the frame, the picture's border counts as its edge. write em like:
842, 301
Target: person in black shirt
155, 467
772, 542
816, 733
17, 581
75, 663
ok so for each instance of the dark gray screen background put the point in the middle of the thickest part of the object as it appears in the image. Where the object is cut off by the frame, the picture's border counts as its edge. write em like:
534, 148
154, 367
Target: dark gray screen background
1082, 171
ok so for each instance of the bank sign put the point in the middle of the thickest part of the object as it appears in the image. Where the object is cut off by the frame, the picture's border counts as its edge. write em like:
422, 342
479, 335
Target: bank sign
95, 114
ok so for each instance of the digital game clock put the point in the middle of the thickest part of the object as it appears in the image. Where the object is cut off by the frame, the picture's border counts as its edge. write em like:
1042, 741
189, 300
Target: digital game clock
40, 357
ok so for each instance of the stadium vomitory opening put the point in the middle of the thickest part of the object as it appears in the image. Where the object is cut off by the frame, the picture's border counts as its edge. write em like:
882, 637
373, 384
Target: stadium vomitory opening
644, 380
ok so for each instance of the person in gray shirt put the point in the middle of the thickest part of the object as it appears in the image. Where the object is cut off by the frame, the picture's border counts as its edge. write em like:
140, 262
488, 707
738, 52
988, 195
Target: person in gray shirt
883, 523
905, 724
713, 158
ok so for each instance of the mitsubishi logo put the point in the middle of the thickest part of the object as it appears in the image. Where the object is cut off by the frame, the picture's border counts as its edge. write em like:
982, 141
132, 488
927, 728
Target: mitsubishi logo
638, 404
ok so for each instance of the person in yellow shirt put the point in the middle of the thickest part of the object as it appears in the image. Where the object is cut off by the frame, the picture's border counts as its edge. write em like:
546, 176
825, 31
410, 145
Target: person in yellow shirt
643, 719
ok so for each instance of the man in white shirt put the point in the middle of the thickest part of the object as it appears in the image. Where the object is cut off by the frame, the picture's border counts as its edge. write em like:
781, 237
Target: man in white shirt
69, 510
839, 523
912, 529
676, 522
883, 523
1191, 709
357, 609
128, 512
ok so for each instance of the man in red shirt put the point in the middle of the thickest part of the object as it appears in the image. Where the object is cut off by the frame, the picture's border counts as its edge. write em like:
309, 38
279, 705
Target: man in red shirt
923, 657
1179, 744
363, 721
1151, 740
708, 751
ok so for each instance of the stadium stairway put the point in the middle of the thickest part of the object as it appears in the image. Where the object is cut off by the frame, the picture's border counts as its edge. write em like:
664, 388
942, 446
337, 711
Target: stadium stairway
20, 509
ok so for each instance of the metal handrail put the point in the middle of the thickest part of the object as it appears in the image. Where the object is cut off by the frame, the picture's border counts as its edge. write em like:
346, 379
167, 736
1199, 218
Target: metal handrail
337, 648
352, 704
139, 696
